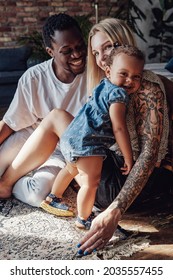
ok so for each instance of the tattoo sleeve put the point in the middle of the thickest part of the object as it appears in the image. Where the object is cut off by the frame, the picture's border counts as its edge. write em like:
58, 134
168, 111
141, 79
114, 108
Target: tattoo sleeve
148, 108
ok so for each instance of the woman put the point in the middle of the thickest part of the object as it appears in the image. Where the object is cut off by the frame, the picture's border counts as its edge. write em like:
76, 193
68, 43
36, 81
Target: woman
150, 129
150, 120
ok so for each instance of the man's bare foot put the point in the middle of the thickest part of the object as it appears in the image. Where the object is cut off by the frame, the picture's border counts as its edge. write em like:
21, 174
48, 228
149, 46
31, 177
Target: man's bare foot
5, 191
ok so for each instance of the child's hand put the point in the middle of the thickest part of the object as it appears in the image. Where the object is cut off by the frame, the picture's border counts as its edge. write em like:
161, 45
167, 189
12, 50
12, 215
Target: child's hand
127, 166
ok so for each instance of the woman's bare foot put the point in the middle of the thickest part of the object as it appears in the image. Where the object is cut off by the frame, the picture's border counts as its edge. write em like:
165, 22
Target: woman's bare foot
5, 190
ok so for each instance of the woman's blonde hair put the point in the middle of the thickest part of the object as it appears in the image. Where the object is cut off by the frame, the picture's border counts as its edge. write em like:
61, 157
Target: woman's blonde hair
117, 31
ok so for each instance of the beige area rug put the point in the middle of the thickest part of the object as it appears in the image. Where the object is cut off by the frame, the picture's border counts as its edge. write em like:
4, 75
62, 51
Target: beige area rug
28, 233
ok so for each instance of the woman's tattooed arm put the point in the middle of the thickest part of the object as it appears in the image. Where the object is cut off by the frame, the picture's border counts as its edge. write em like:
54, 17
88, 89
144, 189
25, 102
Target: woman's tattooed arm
148, 107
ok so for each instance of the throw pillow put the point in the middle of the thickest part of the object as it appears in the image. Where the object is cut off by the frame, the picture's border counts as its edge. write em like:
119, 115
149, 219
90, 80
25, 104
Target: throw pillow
169, 65
12, 59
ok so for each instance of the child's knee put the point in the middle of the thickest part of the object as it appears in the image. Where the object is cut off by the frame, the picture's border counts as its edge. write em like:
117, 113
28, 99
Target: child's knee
91, 180
72, 169
96, 180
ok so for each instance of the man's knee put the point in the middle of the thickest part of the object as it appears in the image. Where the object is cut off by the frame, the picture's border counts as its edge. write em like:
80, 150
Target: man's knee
11, 146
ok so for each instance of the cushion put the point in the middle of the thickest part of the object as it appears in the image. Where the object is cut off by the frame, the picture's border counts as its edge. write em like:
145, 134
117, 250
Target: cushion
12, 59
169, 65
159, 68
10, 77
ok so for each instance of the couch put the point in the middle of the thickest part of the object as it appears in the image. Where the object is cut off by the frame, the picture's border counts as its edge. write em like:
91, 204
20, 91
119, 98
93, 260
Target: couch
13, 63
161, 69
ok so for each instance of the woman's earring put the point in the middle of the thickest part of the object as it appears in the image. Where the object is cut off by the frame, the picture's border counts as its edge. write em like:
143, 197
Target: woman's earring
116, 45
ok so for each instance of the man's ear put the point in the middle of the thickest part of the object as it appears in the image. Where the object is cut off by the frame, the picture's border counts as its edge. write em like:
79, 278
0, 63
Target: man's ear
50, 51
107, 71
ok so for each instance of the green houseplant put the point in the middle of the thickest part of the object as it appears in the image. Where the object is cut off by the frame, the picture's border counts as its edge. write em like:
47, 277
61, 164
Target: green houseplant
161, 28
34, 39
162, 31
85, 25
131, 13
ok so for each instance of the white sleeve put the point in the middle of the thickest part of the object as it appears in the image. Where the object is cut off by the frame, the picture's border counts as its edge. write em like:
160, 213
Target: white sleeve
20, 113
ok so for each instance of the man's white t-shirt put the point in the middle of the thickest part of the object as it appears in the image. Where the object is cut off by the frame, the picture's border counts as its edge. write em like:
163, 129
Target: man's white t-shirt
39, 91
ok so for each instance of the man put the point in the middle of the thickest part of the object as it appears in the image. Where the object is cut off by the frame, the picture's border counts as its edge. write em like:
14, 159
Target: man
57, 83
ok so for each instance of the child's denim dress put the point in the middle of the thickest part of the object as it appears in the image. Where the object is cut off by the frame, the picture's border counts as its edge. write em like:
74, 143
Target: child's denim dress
90, 133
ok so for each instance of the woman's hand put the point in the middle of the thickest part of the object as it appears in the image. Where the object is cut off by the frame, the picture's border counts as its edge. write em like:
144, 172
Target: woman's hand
101, 231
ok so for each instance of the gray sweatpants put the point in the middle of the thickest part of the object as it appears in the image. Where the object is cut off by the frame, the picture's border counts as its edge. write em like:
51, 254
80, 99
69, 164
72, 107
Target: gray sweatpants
34, 187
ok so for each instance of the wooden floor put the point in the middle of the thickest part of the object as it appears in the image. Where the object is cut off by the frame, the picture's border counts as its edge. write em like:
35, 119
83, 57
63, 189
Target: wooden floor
155, 219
